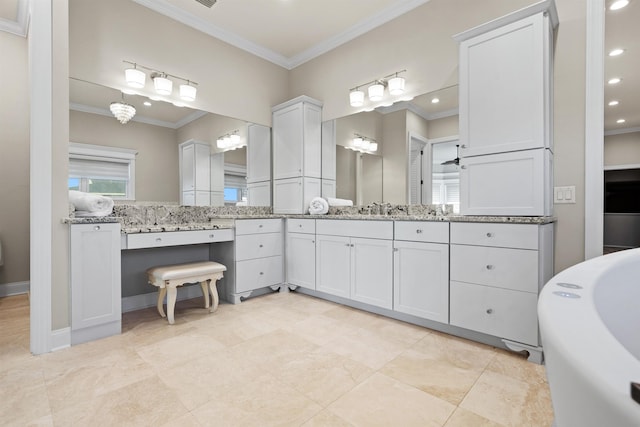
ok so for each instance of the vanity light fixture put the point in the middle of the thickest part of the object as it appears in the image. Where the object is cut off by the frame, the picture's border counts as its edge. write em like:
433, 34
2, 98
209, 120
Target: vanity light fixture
122, 111
162, 81
363, 144
230, 141
375, 89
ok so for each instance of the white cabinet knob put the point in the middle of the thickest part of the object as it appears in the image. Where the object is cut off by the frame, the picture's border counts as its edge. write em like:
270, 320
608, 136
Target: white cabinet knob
463, 166
96, 228
419, 231
262, 273
260, 226
260, 245
489, 310
158, 239
300, 225
211, 236
489, 234
463, 146
489, 267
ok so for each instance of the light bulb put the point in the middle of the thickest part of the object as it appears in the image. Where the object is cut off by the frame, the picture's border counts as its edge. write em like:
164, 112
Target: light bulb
356, 98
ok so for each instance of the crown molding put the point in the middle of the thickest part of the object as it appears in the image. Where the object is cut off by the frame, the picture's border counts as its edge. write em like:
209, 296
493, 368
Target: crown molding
621, 131
407, 105
20, 26
138, 118
165, 8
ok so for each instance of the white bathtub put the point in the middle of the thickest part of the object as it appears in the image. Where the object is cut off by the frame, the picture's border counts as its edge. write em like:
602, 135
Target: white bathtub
591, 340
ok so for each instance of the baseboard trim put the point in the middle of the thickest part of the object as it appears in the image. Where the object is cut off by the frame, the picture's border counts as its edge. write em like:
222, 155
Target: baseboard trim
138, 302
15, 288
60, 338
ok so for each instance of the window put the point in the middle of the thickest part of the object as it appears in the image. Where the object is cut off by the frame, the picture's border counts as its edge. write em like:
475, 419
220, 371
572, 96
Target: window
235, 183
108, 171
445, 189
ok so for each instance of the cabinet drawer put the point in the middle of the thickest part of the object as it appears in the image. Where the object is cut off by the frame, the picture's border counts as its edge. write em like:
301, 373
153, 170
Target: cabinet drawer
422, 231
499, 312
307, 226
251, 246
355, 228
252, 226
515, 269
258, 273
522, 236
176, 238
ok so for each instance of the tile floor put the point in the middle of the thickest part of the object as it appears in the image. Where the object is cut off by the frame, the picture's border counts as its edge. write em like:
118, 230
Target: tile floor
280, 359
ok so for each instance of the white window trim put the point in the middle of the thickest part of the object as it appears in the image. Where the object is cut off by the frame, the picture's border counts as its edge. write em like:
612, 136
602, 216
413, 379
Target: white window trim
115, 154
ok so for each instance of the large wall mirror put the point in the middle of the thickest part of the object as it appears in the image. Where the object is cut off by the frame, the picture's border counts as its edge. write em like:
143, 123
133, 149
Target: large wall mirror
415, 160
155, 134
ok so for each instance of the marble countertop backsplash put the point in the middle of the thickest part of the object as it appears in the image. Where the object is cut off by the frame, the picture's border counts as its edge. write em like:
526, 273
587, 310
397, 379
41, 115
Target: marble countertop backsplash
155, 217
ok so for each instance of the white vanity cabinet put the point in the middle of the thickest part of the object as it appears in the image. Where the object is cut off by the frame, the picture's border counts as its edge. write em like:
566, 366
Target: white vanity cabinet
497, 271
506, 143
258, 256
297, 154
301, 253
95, 281
354, 260
421, 269
195, 173
258, 165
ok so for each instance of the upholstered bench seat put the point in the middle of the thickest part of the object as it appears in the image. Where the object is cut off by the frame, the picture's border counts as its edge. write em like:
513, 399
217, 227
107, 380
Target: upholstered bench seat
167, 278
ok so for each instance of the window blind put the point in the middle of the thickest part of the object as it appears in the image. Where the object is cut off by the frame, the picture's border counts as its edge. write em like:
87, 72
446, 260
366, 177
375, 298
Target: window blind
84, 168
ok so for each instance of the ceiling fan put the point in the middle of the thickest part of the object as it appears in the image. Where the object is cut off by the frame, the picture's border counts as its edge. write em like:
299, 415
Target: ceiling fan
455, 161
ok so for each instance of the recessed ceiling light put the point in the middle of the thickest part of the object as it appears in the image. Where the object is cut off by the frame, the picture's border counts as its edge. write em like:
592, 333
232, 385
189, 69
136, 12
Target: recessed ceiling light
616, 52
618, 4
614, 80
435, 100
613, 103
129, 91
620, 121
147, 103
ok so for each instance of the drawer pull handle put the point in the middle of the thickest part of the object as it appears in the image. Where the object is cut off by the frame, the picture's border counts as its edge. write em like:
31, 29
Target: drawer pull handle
313, 241
352, 245
489, 234
260, 226
419, 231
347, 245
96, 228
463, 166
211, 236
300, 225
260, 245
489, 310
489, 267
262, 273
158, 239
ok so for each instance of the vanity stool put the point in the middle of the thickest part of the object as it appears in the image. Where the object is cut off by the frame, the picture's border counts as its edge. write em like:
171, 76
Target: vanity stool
167, 278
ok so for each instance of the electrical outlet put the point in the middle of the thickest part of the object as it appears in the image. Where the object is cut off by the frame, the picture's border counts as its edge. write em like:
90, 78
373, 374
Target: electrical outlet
564, 194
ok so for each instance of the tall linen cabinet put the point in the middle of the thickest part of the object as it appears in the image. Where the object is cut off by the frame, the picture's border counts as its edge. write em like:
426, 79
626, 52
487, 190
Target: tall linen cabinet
297, 153
506, 88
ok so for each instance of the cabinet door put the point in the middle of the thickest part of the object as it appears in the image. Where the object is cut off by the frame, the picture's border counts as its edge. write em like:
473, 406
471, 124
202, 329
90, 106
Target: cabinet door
301, 260
188, 167
506, 184
333, 265
288, 136
258, 153
95, 275
372, 271
287, 196
203, 198
258, 273
312, 144
188, 198
328, 188
504, 88
259, 193
421, 280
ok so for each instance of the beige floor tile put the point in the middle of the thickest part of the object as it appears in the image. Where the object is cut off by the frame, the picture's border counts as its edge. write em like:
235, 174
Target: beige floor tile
320, 329
186, 420
81, 377
399, 332
384, 401
264, 401
272, 349
354, 317
442, 366
516, 365
322, 377
365, 347
232, 330
326, 419
179, 349
144, 403
509, 401
23, 395
464, 418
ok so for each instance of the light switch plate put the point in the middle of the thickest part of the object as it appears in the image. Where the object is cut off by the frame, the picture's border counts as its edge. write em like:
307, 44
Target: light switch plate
564, 194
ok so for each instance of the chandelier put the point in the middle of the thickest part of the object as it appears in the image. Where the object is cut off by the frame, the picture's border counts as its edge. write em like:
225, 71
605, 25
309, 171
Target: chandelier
122, 111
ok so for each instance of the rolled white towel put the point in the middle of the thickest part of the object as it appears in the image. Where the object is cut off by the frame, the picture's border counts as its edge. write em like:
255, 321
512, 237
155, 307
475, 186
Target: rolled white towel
90, 203
339, 202
318, 206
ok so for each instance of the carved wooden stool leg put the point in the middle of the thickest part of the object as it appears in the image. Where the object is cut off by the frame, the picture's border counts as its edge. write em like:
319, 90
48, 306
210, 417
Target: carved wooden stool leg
171, 302
214, 295
161, 293
205, 293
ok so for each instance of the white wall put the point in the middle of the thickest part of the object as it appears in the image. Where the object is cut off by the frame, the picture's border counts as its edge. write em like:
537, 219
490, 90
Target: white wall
622, 149
14, 161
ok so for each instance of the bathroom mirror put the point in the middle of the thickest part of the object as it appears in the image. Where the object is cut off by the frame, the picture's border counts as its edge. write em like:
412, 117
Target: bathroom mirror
155, 132
428, 122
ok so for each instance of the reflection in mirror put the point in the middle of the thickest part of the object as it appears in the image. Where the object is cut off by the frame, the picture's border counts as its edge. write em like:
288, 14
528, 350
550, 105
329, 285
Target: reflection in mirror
445, 175
431, 118
155, 133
